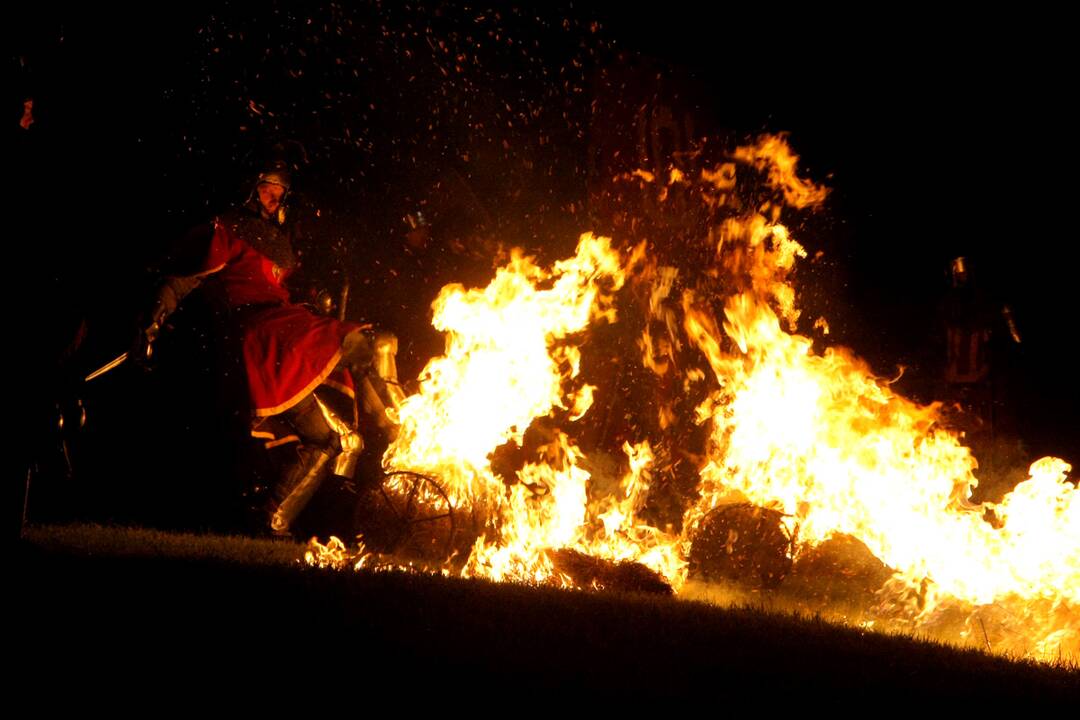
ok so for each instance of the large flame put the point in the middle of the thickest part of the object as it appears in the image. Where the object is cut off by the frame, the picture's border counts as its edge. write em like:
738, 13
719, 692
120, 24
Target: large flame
510, 358
823, 441
819, 438
812, 434
507, 360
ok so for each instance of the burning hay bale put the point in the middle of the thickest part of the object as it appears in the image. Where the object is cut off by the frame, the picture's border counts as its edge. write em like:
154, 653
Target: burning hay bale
840, 567
744, 543
626, 576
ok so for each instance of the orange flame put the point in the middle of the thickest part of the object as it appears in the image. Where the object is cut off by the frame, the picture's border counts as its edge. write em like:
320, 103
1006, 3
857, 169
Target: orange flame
817, 437
773, 155
812, 434
507, 358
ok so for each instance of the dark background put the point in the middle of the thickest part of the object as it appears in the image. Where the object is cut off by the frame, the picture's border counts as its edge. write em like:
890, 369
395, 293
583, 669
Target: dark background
941, 134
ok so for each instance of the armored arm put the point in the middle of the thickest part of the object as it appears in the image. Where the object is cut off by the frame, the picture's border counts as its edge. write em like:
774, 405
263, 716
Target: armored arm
189, 263
169, 295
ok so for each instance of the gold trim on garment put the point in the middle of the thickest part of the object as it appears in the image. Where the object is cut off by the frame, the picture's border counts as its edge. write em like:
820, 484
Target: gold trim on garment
319, 380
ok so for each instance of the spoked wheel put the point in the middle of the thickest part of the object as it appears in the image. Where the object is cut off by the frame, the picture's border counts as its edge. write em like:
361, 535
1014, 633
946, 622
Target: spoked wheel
416, 518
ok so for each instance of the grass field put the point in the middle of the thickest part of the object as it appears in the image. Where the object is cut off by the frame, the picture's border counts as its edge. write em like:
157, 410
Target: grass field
167, 611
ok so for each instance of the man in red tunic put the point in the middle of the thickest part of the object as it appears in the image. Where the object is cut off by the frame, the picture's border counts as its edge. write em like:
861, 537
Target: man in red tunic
288, 351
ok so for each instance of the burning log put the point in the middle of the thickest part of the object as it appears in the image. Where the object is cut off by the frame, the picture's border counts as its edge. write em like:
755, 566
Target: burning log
627, 576
744, 543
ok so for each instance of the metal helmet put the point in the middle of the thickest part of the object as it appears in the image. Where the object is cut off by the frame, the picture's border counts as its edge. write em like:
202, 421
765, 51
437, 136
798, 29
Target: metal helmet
275, 174
960, 272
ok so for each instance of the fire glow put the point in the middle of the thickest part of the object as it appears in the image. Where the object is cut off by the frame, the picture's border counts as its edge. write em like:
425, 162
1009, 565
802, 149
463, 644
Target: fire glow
813, 435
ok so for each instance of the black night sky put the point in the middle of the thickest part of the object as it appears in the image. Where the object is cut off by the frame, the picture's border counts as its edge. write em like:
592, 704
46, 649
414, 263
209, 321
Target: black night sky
941, 135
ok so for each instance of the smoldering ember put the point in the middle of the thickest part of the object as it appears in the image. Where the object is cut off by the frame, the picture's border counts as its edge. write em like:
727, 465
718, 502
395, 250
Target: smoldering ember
721, 307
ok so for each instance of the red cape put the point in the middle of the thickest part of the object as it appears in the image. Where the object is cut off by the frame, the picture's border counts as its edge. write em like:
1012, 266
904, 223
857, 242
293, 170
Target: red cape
288, 350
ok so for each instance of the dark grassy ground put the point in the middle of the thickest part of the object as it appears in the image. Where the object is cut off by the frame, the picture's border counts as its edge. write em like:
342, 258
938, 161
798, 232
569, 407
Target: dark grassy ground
104, 613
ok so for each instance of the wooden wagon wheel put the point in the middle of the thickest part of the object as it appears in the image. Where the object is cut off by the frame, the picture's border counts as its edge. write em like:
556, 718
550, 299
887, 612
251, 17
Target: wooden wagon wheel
419, 524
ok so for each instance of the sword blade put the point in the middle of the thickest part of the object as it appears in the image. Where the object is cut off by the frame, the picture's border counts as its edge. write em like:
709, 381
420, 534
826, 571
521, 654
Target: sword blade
118, 360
